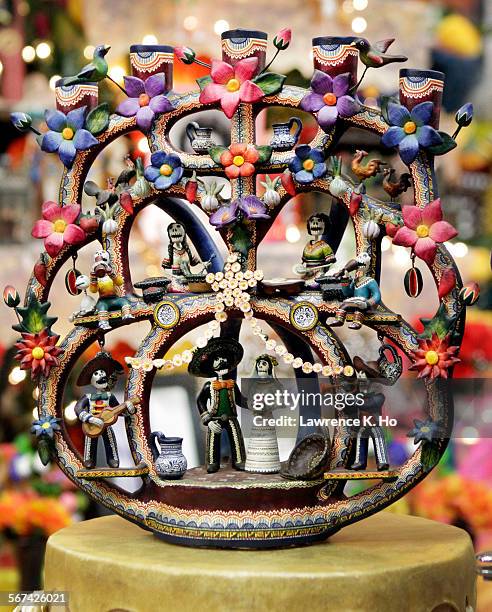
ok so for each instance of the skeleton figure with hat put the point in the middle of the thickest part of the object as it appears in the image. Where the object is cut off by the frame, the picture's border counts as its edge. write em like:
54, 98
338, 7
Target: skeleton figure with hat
369, 375
317, 255
364, 289
106, 282
218, 399
93, 408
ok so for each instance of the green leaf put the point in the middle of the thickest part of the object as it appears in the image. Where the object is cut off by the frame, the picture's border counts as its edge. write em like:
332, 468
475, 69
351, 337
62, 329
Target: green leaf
385, 100
216, 152
241, 240
44, 450
203, 81
270, 82
98, 119
34, 317
429, 455
448, 144
265, 152
441, 323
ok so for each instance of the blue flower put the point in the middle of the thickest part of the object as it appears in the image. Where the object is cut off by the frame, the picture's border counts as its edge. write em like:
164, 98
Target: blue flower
45, 426
165, 170
21, 121
425, 430
66, 135
410, 131
308, 164
464, 115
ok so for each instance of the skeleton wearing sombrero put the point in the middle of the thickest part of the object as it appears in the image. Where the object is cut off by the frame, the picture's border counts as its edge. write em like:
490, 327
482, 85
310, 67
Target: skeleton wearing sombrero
102, 373
218, 398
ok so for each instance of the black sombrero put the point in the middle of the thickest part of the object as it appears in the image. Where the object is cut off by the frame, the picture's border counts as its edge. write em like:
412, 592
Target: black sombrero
201, 364
102, 361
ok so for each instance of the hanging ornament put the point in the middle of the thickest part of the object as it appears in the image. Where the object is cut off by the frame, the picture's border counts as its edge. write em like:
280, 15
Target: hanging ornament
71, 279
413, 281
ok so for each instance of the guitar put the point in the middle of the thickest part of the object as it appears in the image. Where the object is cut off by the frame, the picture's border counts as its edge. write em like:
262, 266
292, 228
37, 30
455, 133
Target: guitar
109, 416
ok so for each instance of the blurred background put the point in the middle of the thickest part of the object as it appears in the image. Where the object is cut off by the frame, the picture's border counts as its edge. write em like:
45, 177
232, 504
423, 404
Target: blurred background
41, 40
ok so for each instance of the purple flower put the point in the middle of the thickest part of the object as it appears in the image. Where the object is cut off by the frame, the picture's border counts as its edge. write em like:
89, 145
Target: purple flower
145, 99
253, 208
329, 98
66, 135
165, 170
308, 164
225, 215
409, 130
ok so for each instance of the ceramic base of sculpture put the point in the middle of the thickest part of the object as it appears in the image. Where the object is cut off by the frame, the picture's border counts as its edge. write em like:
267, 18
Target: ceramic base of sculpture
384, 563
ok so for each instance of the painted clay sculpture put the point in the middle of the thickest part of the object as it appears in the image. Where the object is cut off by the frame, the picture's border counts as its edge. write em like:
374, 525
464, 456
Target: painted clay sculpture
317, 256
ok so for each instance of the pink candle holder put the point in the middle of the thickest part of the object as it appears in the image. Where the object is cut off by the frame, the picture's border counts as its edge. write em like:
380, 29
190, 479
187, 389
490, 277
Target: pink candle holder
146, 60
239, 44
70, 97
418, 86
335, 55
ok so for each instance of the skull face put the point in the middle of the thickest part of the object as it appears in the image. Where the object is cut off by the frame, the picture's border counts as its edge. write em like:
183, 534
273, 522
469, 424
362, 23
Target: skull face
219, 363
100, 380
263, 367
102, 263
316, 225
82, 282
176, 233
364, 263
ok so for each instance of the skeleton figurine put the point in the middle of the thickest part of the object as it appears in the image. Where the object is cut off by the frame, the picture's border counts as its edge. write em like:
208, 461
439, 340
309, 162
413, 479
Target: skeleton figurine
88, 303
368, 375
92, 409
318, 255
180, 258
218, 398
364, 289
104, 281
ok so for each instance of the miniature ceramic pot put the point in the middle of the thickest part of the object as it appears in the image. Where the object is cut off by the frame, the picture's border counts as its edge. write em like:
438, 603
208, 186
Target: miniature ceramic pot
239, 44
200, 137
418, 86
70, 97
147, 60
169, 460
335, 55
283, 138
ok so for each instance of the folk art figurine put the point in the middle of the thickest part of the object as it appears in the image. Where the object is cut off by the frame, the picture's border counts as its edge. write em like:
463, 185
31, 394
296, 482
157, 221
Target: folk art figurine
262, 455
98, 410
231, 507
218, 399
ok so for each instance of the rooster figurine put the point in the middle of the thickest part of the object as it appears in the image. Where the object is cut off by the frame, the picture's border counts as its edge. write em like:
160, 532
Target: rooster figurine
372, 167
395, 188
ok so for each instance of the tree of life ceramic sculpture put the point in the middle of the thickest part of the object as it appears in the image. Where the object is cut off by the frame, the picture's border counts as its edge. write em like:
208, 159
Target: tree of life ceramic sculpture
221, 505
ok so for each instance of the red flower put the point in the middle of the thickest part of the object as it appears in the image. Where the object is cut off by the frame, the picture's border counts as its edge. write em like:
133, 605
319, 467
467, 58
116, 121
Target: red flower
423, 229
57, 227
38, 352
434, 356
239, 160
281, 40
232, 85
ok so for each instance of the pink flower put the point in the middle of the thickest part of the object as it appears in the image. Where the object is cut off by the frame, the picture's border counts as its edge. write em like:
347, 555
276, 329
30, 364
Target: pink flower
232, 85
282, 38
57, 227
423, 229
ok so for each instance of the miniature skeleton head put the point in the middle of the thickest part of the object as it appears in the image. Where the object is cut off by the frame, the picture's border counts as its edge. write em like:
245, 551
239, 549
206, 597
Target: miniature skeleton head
176, 233
100, 380
220, 363
364, 261
102, 263
82, 282
264, 365
317, 224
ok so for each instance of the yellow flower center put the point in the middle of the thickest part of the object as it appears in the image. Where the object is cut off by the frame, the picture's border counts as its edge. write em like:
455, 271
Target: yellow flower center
238, 160
432, 357
59, 226
165, 170
45, 426
425, 429
422, 231
67, 133
330, 99
233, 85
410, 127
308, 164
143, 99
37, 353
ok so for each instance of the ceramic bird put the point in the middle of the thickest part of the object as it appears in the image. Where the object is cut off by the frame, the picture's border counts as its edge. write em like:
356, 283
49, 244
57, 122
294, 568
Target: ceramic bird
94, 72
103, 196
375, 56
124, 178
372, 167
395, 188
